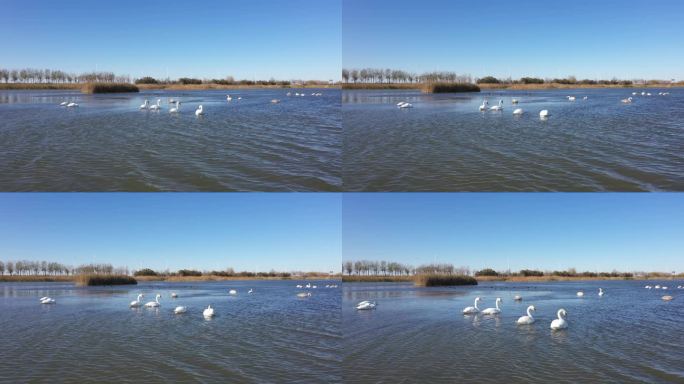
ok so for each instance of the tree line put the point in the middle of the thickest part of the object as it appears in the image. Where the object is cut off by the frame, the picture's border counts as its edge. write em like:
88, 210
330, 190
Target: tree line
571, 80
391, 268
228, 272
378, 75
50, 268
228, 80
32, 75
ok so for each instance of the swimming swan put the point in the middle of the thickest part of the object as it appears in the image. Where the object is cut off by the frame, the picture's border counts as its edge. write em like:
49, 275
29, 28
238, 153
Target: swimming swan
48, 300
145, 105
64, 103
155, 303
250, 290
71, 105
304, 294
627, 100
199, 111
364, 305
180, 309
517, 298
527, 319
473, 309
497, 107
518, 111
600, 291
560, 322
493, 311
138, 302
571, 98
544, 113
157, 106
174, 295
580, 294
485, 104
177, 109
232, 292
208, 312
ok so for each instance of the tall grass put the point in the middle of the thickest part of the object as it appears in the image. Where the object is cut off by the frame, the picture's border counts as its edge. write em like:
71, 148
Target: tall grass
92, 280
435, 280
449, 87
381, 86
109, 88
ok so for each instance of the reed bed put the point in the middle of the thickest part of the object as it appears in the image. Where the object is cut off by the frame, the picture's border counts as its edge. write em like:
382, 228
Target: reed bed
436, 280
99, 279
109, 88
449, 88
376, 279
34, 278
381, 86
573, 86
37, 86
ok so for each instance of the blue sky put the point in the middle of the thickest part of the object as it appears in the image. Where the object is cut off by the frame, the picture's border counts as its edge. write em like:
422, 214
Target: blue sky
595, 231
585, 38
254, 231
293, 39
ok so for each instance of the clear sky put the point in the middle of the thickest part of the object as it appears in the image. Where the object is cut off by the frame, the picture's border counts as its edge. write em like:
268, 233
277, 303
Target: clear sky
253, 231
587, 231
585, 38
293, 39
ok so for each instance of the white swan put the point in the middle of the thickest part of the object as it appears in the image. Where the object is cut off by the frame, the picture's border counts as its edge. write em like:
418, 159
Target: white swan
643, 93
250, 290
304, 294
627, 100
648, 287
580, 294
308, 285
514, 101
48, 300
527, 319
208, 312
232, 292
137, 302
145, 105
364, 305
180, 309
585, 98
155, 303
64, 103
288, 94
199, 111
544, 113
157, 106
404, 104
517, 298
667, 298
571, 98
518, 111
485, 104
497, 107
657, 287
299, 286
71, 105
600, 292
174, 295
634, 93
177, 109
275, 101
229, 98
560, 322
473, 309
493, 311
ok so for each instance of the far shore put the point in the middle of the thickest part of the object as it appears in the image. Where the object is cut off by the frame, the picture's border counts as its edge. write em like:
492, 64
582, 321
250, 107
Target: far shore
171, 279
521, 87
171, 87
518, 279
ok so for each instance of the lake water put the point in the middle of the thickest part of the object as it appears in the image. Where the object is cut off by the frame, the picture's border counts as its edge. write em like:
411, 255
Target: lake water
108, 144
91, 334
419, 335
445, 144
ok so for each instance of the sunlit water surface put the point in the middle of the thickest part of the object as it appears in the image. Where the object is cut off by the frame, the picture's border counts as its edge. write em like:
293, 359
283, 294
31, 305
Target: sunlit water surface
108, 144
444, 143
419, 335
91, 334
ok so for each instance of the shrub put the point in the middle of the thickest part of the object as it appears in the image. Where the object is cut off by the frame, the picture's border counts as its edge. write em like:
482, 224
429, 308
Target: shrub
487, 272
147, 80
145, 272
488, 80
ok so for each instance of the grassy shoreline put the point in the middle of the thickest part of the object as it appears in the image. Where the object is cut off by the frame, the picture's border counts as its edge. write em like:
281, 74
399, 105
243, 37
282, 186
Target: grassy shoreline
530, 87
171, 87
74, 279
484, 279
